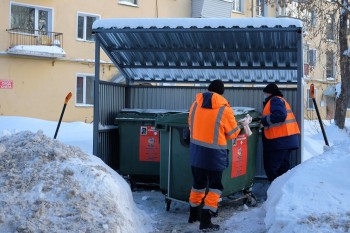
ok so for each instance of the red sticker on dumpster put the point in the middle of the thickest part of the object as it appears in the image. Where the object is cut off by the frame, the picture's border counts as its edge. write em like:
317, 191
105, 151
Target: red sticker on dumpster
149, 144
239, 156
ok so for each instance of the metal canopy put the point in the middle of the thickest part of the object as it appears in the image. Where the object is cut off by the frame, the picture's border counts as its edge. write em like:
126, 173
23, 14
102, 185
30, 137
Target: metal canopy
235, 50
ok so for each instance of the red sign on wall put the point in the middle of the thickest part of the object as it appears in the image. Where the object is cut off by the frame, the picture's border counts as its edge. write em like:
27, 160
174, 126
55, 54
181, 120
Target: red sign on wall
149, 144
6, 84
239, 156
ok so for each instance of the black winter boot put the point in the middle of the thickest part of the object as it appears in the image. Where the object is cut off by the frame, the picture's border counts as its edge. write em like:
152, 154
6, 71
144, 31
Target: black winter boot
195, 214
205, 222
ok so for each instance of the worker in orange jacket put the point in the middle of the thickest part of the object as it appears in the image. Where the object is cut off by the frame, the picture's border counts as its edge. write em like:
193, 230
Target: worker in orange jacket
280, 132
211, 121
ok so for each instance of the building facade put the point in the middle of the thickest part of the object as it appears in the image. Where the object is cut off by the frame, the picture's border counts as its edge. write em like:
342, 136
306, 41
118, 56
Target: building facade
47, 50
321, 55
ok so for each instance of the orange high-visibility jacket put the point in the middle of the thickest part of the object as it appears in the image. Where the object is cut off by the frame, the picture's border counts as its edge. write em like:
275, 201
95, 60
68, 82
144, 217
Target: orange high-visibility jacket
281, 129
212, 122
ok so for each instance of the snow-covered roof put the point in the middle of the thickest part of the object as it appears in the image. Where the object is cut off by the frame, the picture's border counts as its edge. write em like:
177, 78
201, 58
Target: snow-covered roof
194, 22
235, 50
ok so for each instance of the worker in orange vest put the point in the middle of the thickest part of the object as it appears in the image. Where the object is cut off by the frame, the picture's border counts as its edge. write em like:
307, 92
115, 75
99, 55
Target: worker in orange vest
280, 132
211, 121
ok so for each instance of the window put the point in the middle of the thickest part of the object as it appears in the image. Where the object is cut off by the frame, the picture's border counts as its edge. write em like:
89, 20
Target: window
85, 26
133, 2
85, 90
237, 5
309, 102
330, 27
313, 18
260, 11
31, 18
282, 9
312, 57
306, 53
330, 66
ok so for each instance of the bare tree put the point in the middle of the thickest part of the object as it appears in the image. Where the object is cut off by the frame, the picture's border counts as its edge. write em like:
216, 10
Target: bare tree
326, 11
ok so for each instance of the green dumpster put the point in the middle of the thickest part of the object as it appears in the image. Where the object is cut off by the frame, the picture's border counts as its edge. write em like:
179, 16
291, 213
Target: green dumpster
175, 170
139, 147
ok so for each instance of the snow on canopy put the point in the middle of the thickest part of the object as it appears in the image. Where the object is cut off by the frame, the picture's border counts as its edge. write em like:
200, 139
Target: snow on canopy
117, 23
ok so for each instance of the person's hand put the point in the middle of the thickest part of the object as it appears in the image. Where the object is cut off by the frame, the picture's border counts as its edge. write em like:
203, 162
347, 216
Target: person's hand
245, 123
246, 120
247, 130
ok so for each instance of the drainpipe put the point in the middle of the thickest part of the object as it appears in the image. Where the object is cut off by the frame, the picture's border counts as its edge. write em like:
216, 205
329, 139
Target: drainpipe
252, 8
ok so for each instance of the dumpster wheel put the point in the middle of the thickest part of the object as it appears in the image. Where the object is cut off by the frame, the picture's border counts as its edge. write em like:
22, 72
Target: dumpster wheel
250, 199
167, 204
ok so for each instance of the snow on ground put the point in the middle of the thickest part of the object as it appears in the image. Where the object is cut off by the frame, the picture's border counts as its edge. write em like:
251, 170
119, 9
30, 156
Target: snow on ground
47, 186
58, 186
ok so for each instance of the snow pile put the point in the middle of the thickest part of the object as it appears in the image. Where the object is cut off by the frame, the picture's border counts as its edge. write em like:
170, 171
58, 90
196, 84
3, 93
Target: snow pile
47, 186
323, 177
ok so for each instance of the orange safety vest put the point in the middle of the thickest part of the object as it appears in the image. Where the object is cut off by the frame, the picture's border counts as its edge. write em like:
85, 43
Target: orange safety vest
212, 127
281, 129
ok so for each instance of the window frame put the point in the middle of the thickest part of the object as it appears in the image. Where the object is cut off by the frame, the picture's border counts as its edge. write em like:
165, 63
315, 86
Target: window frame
37, 8
85, 76
312, 56
85, 15
282, 10
332, 70
129, 3
260, 8
241, 6
309, 99
330, 31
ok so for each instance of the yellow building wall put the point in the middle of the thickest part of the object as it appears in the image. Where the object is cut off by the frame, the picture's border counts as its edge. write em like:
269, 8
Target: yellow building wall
249, 10
40, 85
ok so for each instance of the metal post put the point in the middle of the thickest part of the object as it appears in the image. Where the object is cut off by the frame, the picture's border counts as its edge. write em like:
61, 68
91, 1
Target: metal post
96, 96
312, 93
64, 108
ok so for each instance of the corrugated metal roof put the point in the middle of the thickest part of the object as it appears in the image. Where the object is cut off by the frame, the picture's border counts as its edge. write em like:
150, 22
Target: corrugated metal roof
199, 50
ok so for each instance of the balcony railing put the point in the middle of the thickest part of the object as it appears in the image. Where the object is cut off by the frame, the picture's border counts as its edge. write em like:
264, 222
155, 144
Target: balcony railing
20, 36
36, 43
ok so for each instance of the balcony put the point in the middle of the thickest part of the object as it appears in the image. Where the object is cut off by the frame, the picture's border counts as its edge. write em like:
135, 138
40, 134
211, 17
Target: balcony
36, 43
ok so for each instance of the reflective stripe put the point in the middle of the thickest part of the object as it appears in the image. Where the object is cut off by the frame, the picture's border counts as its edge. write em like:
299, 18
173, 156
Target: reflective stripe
280, 129
212, 199
217, 191
280, 123
196, 196
198, 190
217, 125
268, 120
192, 116
208, 145
232, 131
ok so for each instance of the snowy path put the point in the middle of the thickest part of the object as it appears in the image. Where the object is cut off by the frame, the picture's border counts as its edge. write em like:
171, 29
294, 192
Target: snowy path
233, 216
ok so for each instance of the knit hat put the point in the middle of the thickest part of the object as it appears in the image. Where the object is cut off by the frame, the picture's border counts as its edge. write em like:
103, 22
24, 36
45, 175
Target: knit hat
217, 86
271, 89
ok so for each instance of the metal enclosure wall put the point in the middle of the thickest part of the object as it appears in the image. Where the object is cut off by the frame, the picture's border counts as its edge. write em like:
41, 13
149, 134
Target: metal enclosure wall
113, 96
